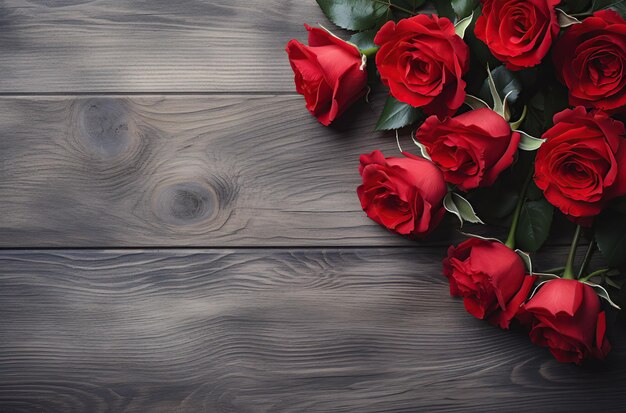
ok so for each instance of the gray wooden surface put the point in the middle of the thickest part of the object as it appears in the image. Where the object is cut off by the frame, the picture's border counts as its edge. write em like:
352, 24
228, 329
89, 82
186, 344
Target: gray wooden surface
128, 128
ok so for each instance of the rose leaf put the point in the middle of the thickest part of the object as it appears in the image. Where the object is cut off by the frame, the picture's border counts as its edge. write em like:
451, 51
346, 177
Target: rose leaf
397, 115
534, 225
610, 233
464, 8
465, 209
364, 40
565, 20
602, 293
529, 143
462, 25
354, 14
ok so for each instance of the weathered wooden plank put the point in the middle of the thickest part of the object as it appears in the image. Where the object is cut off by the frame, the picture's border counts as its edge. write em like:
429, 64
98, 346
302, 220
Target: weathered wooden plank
356, 330
182, 171
150, 45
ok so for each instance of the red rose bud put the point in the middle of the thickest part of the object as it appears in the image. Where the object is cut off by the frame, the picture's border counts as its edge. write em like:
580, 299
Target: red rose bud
422, 61
490, 277
329, 73
518, 32
404, 195
471, 149
590, 59
564, 315
582, 163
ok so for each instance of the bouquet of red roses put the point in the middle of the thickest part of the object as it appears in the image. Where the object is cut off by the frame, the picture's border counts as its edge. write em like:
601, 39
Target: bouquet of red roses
514, 107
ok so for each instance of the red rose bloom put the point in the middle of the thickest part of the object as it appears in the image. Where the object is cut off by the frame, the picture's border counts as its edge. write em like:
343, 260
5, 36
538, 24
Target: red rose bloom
329, 72
422, 60
582, 164
490, 277
590, 59
471, 149
564, 315
518, 32
403, 194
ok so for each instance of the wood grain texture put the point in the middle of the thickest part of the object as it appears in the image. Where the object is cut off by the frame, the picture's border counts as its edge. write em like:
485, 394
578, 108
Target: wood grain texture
356, 330
109, 171
61, 46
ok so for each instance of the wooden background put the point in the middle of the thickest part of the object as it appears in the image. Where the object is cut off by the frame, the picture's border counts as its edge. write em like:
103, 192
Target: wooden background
179, 235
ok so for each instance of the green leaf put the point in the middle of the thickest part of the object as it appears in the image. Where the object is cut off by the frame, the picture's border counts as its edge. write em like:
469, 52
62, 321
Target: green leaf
584, 8
577, 6
397, 115
529, 143
620, 8
498, 105
462, 26
602, 293
445, 9
475, 103
463, 8
422, 148
505, 82
364, 40
543, 106
604, 4
534, 225
408, 4
450, 206
610, 232
527, 261
565, 20
354, 14
465, 209
460, 207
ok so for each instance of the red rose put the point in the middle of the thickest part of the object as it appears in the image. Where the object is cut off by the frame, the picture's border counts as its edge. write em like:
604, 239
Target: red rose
490, 277
518, 32
590, 59
582, 164
422, 60
403, 194
564, 315
329, 72
471, 149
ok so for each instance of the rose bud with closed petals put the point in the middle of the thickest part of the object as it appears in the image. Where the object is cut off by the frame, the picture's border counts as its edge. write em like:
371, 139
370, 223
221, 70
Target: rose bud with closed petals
490, 277
471, 149
329, 72
565, 316
582, 164
404, 195
422, 60
590, 59
519, 33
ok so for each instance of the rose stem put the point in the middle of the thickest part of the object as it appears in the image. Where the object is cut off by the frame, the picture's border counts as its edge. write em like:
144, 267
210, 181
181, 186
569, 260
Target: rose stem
587, 259
569, 265
369, 52
594, 274
510, 240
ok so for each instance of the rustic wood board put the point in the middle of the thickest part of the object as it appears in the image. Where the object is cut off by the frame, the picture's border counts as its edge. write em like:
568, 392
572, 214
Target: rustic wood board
191, 46
344, 330
160, 123
107, 171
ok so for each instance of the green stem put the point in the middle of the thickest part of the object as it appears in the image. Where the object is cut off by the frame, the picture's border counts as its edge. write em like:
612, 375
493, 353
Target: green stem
569, 265
369, 52
594, 274
555, 270
587, 260
510, 240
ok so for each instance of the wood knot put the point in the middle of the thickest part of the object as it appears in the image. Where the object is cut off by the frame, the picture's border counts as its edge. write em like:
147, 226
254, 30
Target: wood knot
186, 203
106, 127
